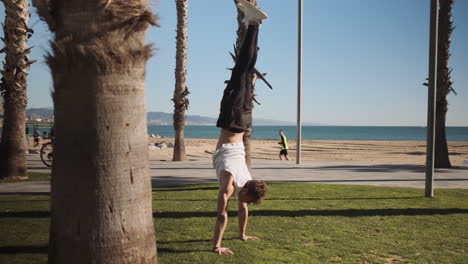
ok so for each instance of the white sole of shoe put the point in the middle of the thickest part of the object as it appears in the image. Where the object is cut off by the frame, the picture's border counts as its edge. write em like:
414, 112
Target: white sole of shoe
250, 11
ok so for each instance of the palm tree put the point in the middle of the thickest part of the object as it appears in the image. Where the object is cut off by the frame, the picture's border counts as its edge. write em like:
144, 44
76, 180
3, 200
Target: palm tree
444, 84
101, 209
180, 99
13, 89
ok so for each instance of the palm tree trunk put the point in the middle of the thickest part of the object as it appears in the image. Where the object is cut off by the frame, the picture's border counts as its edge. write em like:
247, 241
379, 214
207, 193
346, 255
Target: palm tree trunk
13, 89
13, 145
101, 209
444, 84
179, 145
181, 91
441, 149
240, 39
248, 148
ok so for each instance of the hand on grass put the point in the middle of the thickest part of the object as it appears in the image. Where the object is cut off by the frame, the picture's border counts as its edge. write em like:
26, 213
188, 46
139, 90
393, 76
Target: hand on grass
223, 251
245, 238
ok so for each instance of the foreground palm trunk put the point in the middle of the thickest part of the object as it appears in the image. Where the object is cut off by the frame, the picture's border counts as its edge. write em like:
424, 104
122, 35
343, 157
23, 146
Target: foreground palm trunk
180, 92
101, 190
13, 89
444, 84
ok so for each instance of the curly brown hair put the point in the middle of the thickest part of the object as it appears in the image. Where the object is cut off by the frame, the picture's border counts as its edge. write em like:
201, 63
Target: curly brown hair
258, 189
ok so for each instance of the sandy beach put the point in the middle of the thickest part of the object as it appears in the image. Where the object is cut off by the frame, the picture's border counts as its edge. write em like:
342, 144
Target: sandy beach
372, 152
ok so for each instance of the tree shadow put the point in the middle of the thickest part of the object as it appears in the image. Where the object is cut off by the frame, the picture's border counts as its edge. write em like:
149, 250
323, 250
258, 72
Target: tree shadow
170, 250
25, 214
342, 199
303, 199
422, 153
186, 200
173, 181
279, 213
186, 241
24, 249
25, 193
26, 200
341, 212
182, 168
185, 188
194, 241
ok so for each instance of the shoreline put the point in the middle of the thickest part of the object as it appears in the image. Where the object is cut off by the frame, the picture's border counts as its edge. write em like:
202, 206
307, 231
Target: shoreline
369, 151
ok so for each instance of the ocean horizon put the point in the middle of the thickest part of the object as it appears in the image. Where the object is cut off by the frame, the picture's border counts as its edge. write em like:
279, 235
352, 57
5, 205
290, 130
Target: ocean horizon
389, 133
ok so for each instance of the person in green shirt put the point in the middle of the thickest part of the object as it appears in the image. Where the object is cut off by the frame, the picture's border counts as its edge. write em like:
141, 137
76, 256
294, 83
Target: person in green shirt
284, 146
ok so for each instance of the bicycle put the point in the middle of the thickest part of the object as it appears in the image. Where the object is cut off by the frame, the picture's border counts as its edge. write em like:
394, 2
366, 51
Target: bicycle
46, 153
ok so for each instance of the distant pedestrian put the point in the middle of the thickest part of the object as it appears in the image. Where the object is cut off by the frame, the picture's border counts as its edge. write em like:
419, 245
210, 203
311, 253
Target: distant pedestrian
37, 135
284, 146
27, 134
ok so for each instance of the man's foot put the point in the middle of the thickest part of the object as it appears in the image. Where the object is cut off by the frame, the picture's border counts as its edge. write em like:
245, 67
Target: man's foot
251, 12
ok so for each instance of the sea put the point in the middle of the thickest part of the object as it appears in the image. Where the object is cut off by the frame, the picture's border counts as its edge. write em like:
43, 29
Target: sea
391, 133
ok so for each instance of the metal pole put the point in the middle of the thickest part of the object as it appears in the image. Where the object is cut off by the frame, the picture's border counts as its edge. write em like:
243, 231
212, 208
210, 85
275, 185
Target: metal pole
431, 109
299, 84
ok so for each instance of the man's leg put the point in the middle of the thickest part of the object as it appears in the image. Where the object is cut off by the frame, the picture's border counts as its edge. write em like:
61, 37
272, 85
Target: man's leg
237, 95
247, 56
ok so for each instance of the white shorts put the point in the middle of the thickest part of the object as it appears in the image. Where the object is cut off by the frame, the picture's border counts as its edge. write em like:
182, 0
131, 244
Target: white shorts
231, 158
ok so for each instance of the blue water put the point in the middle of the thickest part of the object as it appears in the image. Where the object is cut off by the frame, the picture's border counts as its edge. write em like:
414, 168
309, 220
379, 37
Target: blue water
316, 132
322, 132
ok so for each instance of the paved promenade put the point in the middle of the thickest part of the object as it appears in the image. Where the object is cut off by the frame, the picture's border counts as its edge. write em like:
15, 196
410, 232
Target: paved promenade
168, 173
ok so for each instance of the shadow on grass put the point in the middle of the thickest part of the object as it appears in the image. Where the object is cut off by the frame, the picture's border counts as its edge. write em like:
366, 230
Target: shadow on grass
176, 188
173, 181
300, 213
186, 200
300, 199
24, 193
25, 214
194, 241
170, 250
343, 199
182, 168
278, 213
421, 153
187, 241
23, 249
25, 200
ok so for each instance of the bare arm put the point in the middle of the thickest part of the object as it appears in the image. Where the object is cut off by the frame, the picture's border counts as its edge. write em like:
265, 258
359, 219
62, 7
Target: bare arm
243, 213
226, 189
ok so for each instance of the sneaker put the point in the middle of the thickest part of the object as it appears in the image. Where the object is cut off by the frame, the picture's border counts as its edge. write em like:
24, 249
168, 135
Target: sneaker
251, 12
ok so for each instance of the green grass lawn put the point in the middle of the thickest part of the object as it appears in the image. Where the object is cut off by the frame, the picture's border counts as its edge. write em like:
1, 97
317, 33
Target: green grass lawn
297, 223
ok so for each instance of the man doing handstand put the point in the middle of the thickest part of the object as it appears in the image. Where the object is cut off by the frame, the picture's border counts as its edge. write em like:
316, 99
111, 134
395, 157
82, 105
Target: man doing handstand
234, 119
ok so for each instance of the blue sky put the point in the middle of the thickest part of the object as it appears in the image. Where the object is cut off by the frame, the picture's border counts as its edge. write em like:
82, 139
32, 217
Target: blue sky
364, 60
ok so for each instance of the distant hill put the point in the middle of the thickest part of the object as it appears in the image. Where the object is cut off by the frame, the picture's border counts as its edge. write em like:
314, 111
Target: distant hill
42, 113
166, 119
161, 118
